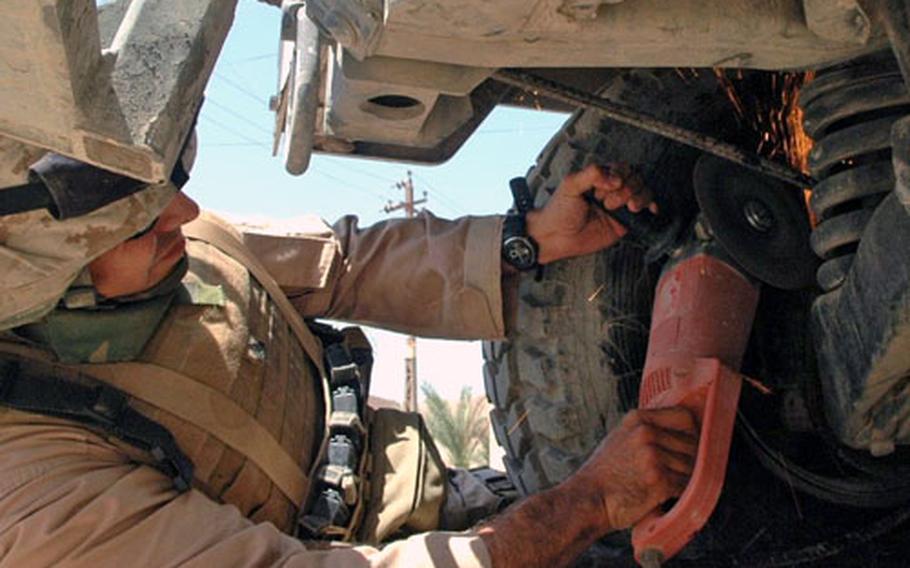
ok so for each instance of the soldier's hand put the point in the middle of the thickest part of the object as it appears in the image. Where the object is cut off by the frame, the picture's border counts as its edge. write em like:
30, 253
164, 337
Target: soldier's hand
643, 462
569, 225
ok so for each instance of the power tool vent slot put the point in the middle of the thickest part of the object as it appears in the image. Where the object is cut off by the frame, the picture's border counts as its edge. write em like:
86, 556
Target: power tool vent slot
657, 382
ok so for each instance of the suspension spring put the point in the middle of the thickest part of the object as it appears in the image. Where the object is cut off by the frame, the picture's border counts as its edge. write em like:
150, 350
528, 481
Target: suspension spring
848, 112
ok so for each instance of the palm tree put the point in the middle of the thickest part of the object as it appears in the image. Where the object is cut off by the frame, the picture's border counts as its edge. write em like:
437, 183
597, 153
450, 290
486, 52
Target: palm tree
462, 429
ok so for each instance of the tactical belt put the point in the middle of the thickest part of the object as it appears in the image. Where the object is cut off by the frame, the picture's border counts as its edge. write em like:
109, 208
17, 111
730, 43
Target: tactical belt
335, 505
101, 406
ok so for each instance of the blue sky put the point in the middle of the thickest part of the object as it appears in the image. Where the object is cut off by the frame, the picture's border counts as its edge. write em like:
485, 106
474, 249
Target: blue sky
236, 173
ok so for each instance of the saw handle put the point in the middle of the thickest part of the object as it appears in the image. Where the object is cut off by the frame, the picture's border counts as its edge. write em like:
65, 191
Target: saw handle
711, 391
642, 225
658, 233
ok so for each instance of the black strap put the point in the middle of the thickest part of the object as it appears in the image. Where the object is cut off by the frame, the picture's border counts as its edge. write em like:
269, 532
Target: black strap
179, 175
326, 333
521, 194
69, 188
101, 406
22, 198
77, 188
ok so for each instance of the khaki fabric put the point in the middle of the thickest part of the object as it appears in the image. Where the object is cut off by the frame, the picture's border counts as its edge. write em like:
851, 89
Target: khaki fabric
214, 231
408, 479
247, 350
425, 276
245, 353
15, 158
68, 498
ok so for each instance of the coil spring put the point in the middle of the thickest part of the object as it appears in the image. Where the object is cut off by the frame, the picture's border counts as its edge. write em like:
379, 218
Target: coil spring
848, 112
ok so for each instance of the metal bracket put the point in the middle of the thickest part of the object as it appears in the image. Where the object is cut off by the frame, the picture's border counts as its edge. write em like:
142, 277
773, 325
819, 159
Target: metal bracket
354, 24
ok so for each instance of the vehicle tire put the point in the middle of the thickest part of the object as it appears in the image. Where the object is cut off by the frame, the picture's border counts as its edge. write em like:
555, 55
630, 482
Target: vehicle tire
578, 330
576, 340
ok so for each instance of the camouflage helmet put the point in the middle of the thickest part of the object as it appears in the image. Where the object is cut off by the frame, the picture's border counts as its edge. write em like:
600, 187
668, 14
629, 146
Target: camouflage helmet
41, 256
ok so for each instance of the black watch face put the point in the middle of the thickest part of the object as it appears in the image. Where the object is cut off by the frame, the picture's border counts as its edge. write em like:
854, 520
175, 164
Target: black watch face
520, 253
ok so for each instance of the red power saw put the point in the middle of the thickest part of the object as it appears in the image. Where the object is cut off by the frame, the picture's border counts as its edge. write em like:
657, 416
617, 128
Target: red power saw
751, 229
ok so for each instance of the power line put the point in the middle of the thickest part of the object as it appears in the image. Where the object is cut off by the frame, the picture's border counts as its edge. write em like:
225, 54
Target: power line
432, 187
448, 201
515, 130
230, 144
451, 203
450, 208
248, 141
243, 89
241, 135
346, 184
323, 162
254, 58
238, 116
369, 174
348, 168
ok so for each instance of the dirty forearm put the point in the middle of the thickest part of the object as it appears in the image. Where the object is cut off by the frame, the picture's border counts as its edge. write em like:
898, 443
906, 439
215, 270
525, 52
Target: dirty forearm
548, 529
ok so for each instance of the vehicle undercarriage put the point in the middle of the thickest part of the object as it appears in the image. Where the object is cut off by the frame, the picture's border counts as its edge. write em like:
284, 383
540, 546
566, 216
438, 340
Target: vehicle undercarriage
818, 469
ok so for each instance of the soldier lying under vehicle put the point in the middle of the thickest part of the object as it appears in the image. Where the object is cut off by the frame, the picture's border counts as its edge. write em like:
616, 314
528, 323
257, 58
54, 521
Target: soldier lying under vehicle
163, 401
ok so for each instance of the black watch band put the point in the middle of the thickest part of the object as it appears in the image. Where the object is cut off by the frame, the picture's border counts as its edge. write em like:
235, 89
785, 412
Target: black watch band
518, 249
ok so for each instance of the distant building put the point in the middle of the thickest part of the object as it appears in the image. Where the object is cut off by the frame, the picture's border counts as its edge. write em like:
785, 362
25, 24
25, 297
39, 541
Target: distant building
379, 402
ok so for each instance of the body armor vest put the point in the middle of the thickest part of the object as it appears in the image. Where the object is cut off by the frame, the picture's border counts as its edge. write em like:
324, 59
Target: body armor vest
251, 382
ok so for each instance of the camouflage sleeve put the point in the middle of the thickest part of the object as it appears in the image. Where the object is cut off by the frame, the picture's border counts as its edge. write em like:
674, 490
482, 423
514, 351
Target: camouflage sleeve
70, 498
426, 276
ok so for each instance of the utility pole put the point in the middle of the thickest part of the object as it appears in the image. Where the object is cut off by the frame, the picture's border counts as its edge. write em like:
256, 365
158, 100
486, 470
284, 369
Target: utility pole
410, 362
410, 376
408, 203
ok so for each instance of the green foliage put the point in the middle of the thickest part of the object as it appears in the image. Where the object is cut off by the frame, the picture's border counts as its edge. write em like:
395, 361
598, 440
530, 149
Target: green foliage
462, 429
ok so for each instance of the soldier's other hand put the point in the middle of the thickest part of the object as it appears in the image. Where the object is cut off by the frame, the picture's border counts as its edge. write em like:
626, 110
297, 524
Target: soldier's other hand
569, 225
643, 462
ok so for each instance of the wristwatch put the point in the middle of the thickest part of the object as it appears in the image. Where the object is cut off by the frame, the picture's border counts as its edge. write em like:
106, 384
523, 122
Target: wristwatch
518, 249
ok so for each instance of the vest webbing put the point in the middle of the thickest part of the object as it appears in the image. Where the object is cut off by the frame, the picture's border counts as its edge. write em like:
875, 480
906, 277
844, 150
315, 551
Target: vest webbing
200, 405
222, 239
213, 412
203, 406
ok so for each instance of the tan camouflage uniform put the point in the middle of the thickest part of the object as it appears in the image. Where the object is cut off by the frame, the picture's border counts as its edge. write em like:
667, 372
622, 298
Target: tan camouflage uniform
69, 496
